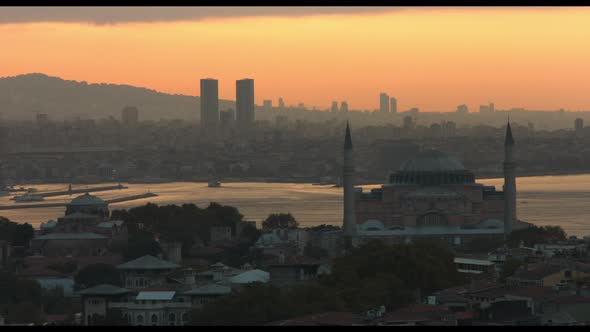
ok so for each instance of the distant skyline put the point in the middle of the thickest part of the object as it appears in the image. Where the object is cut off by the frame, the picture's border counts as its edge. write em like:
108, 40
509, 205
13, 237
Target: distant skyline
431, 58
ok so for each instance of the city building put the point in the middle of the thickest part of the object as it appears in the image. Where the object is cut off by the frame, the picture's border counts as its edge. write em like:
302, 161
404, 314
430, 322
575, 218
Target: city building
430, 195
579, 125
334, 106
130, 116
484, 108
267, 105
209, 104
245, 103
462, 109
384, 102
281, 104
227, 118
344, 107
393, 104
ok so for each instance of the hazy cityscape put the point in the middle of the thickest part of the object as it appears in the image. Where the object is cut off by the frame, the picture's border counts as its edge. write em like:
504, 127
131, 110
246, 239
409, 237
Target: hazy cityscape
247, 203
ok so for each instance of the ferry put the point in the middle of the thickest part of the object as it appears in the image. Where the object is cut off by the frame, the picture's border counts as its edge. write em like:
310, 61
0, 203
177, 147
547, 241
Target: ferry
213, 183
28, 197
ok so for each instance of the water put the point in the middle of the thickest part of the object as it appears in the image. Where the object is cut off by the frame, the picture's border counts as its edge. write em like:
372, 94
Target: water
545, 200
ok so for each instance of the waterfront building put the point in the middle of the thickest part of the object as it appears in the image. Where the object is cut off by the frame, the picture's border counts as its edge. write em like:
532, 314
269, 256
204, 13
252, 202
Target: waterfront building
430, 195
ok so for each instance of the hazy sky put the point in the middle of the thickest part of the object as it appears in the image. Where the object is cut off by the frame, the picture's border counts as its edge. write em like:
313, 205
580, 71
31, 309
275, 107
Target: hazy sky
431, 58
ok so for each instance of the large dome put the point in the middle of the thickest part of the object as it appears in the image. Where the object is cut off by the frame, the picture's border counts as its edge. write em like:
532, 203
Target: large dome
432, 168
432, 161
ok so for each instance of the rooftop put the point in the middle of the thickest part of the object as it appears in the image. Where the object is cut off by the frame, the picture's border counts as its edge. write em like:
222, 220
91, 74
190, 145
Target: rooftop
104, 289
87, 199
148, 262
155, 295
210, 289
70, 236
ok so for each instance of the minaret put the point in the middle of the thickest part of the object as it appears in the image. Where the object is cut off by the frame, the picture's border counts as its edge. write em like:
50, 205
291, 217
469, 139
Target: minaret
349, 225
509, 182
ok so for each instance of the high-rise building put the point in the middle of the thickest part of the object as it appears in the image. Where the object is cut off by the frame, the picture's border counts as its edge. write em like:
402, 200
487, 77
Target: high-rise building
344, 107
334, 106
130, 116
281, 103
209, 104
267, 105
484, 108
491, 107
579, 124
393, 104
509, 182
383, 103
245, 102
462, 109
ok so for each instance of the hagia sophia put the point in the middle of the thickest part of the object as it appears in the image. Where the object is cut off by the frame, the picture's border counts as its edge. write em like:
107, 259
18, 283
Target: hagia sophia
431, 195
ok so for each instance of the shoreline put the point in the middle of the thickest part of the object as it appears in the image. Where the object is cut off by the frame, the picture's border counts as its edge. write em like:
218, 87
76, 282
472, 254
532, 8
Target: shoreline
363, 182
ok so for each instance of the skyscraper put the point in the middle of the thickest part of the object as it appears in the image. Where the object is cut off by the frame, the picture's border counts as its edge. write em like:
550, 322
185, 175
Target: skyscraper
393, 105
579, 125
209, 104
383, 103
334, 106
281, 103
491, 107
245, 103
267, 105
344, 107
462, 109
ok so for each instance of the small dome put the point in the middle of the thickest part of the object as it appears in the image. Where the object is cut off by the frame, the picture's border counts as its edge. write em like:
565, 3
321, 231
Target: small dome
432, 161
87, 199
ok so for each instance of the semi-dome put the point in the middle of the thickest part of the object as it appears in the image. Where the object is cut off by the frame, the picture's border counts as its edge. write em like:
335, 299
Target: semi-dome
432, 161
431, 168
87, 199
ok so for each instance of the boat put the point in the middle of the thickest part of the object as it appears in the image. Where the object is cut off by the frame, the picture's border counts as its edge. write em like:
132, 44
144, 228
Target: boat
28, 197
214, 183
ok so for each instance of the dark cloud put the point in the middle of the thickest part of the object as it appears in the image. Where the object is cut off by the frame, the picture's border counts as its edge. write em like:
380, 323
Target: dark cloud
114, 15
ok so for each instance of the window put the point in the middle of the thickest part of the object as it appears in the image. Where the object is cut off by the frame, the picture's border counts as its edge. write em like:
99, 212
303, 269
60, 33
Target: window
154, 319
139, 319
185, 317
171, 318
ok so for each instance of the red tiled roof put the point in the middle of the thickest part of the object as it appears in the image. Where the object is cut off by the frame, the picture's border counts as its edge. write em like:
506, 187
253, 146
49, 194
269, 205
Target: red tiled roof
330, 318
37, 266
416, 312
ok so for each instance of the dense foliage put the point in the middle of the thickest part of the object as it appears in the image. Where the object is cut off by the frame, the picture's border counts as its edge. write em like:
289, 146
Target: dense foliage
20, 299
536, 234
97, 274
184, 223
370, 276
279, 220
15, 233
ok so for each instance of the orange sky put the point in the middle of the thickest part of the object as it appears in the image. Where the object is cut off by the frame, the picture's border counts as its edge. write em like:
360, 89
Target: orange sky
430, 58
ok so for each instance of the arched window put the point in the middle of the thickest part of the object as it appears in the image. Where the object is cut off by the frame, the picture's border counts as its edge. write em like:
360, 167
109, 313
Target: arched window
89, 318
154, 319
171, 318
139, 319
185, 317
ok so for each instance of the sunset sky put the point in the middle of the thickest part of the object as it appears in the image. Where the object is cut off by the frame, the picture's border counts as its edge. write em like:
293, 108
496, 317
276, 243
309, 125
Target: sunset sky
431, 58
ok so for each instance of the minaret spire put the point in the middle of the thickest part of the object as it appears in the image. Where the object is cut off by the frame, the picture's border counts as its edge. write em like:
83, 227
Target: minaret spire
509, 182
349, 223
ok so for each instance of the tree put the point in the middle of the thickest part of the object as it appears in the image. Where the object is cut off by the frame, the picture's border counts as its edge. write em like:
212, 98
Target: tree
15, 233
509, 267
113, 317
535, 234
20, 299
141, 244
279, 220
97, 274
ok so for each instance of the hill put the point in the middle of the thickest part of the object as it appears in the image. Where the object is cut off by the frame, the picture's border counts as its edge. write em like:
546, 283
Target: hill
24, 95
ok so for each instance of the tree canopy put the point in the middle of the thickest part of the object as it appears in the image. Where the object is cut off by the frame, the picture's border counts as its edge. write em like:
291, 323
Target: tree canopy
20, 299
536, 234
97, 274
279, 220
370, 276
15, 233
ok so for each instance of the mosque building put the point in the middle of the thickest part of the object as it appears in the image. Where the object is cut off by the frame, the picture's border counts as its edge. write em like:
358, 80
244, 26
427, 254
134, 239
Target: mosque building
430, 196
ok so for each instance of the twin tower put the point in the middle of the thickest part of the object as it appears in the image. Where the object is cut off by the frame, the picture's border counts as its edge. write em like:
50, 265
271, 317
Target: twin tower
210, 103
350, 225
